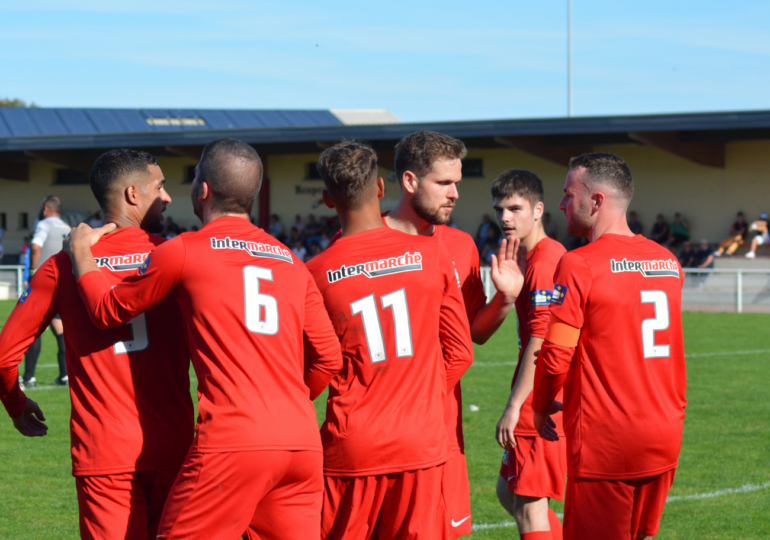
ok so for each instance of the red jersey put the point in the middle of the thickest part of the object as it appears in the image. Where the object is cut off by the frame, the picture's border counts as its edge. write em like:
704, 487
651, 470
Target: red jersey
246, 301
624, 395
532, 317
395, 302
130, 386
465, 256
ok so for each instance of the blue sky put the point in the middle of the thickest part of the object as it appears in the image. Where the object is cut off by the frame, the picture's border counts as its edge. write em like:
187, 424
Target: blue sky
423, 61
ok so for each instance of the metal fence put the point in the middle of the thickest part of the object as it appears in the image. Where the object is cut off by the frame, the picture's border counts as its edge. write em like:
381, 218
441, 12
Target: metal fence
736, 290
11, 282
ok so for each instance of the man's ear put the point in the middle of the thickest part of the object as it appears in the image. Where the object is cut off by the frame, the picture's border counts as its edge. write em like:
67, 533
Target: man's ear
131, 194
538, 210
327, 199
205, 192
380, 188
410, 182
598, 198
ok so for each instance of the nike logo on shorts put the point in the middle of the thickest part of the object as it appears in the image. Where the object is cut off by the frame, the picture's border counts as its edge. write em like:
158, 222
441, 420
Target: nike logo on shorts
511, 477
458, 523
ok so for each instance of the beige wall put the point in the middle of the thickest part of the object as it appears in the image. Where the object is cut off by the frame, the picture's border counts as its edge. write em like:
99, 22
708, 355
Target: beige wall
708, 197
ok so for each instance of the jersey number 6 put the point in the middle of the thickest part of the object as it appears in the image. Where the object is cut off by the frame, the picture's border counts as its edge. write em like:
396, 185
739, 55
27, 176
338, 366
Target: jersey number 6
261, 309
367, 307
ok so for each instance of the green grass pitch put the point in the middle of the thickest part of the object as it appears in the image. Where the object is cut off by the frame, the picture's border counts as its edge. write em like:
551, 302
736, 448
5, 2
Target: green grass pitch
726, 439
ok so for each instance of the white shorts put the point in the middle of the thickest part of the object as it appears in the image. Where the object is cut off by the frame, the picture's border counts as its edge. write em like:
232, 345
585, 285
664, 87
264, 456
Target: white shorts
763, 239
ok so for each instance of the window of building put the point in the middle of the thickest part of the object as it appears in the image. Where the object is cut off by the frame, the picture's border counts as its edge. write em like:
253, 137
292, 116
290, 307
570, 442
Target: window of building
189, 174
312, 172
473, 168
3, 222
70, 177
23, 221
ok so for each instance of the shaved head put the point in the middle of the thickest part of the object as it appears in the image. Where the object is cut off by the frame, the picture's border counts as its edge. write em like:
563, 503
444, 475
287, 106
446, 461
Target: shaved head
233, 171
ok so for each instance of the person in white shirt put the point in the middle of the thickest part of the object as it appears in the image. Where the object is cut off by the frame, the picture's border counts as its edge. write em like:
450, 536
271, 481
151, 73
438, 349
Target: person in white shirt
46, 242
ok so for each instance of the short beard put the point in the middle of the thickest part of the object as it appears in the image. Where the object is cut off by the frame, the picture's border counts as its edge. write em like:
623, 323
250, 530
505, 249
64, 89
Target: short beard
154, 227
580, 225
196, 204
425, 212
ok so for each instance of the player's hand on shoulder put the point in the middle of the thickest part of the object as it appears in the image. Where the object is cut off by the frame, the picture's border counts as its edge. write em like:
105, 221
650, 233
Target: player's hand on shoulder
505, 427
30, 422
507, 268
545, 425
83, 236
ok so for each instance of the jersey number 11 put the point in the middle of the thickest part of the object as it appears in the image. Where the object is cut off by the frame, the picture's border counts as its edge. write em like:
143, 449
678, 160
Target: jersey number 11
367, 307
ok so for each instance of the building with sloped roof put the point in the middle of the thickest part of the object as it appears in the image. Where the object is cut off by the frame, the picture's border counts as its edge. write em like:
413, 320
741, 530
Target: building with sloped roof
707, 166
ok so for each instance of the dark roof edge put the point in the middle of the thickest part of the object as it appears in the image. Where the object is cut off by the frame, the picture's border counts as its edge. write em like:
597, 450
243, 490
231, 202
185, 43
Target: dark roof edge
467, 129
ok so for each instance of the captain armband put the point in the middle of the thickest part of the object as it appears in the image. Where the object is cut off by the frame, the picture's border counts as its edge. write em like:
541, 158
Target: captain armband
561, 333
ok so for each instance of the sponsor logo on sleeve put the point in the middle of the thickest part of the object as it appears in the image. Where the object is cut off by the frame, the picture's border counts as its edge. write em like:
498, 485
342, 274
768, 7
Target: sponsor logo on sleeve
25, 294
408, 262
144, 266
122, 263
559, 292
649, 268
255, 249
540, 298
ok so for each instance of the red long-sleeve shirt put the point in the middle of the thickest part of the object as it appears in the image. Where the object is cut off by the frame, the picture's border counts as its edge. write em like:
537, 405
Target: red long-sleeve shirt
246, 302
396, 304
624, 395
130, 386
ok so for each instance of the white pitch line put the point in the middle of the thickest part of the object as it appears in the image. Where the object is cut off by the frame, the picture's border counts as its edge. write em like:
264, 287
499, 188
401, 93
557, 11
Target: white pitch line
747, 488
688, 355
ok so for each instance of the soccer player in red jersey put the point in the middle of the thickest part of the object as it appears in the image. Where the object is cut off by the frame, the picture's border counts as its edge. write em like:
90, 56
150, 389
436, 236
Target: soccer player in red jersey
614, 342
132, 415
429, 167
397, 308
533, 470
246, 301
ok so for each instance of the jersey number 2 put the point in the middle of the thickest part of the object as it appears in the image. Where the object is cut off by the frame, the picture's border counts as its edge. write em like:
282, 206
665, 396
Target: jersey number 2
659, 322
367, 307
261, 309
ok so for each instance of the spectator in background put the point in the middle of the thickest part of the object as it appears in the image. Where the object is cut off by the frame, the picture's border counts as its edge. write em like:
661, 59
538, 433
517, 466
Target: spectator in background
738, 231
298, 223
170, 229
688, 256
549, 227
634, 224
299, 249
660, 231
276, 229
2, 250
96, 220
679, 231
486, 231
704, 257
760, 226
490, 245
315, 249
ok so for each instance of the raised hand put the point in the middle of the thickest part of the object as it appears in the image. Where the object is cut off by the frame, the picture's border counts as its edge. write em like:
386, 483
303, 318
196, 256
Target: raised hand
508, 268
29, 423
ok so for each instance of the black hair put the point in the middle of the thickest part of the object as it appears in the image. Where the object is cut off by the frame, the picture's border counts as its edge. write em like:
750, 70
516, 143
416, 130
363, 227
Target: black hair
113, 166
518, 182
348, 169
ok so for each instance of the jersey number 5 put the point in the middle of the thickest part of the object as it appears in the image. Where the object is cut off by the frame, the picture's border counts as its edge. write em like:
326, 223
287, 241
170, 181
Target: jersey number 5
261, 309
659, 322
367, 307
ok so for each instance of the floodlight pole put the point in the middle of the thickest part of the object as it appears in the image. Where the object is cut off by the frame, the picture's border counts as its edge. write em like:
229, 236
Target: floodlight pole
569, 57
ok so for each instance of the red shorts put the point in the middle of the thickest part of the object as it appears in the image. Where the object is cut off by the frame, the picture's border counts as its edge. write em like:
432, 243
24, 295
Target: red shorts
122, 506
267, 493
456, 494
396, 506
598, 508
536, 467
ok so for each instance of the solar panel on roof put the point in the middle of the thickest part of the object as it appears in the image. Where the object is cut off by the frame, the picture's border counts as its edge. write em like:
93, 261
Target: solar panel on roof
19, 122
47, 121
77, 121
